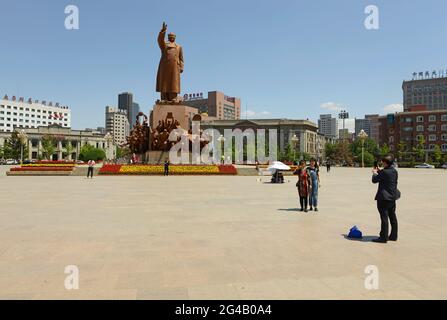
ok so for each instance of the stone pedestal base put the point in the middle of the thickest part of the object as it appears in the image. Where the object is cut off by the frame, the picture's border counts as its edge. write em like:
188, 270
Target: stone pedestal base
183, 114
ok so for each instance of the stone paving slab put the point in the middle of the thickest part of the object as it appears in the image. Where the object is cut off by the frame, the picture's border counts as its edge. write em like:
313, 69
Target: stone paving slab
218, 238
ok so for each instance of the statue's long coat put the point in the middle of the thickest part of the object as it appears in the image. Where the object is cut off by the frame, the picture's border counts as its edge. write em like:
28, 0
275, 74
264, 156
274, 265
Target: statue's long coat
171, 63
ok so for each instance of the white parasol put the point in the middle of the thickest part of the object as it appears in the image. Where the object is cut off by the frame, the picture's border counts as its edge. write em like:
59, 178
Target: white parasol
278, 166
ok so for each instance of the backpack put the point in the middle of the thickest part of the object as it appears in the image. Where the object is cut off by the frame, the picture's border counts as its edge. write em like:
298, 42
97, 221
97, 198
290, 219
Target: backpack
355, 233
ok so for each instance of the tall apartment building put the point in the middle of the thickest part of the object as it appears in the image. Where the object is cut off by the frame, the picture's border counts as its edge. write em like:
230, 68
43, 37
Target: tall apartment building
431, 92
328, 126
18, 113
126, 103
117, 125
216, 105
411, 127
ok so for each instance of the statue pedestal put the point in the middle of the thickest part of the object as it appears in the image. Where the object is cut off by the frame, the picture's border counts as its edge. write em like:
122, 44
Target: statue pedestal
183, 114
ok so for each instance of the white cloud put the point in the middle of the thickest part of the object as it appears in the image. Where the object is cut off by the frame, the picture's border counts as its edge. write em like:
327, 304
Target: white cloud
255, 114
332, 106
392, 108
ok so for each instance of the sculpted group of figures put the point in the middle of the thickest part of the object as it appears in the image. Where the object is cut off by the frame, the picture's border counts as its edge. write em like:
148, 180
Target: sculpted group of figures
142, 138
160, 134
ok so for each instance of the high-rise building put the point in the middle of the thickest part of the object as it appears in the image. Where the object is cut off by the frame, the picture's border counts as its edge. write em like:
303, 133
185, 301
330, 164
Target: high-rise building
425, 90
328, 126
216, 105
126, 103
134, 111
370, 124
18, 113
117, 124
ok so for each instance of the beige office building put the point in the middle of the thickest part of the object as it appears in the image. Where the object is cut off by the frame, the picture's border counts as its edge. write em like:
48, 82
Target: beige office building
216, 105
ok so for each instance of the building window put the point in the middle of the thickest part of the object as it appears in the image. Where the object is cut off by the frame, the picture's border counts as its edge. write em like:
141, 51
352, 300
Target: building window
432, 146
444, 137
420, 137
432, 137
444, 147
420, 119
432, 127
420, 128
444, 127
432, 118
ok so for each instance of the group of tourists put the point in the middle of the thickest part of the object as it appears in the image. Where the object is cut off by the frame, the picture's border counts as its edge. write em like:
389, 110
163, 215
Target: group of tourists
386, 196
308, 185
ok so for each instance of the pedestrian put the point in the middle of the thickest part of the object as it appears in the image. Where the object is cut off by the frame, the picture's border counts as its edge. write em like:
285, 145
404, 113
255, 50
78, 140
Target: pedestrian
328, 166
314, 175
386, 197
303, 185
91, 167
166, 166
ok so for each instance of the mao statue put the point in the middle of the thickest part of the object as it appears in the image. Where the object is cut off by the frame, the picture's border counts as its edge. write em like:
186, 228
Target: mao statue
170, 67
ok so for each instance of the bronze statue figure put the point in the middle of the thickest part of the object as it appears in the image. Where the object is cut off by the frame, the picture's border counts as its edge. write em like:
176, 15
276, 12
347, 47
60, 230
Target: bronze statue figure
170, 67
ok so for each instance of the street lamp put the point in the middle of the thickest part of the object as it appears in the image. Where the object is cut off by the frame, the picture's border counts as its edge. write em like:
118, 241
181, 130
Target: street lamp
295, 140
362, 136
222, 139
23, 138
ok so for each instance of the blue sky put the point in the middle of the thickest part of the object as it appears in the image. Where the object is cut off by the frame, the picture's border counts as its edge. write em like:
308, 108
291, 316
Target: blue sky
283, 58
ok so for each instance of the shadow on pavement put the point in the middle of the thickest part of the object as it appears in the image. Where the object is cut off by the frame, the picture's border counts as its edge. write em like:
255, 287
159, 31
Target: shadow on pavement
364, 239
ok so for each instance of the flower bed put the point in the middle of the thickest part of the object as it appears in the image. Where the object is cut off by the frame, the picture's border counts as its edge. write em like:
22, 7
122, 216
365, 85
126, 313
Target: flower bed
36, 169
173, 169
47, 165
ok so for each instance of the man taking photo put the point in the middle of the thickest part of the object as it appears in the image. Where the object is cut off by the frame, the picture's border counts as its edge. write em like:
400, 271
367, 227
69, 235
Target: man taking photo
386, 197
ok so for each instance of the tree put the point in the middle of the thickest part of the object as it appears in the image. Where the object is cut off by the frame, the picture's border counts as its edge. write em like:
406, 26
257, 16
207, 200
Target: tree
401, 150
89, 152
13, 148
48, 146
122, 152
437, 154
420, 149
384, 150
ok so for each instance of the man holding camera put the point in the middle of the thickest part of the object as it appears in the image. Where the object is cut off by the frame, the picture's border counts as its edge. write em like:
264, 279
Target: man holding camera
386, 197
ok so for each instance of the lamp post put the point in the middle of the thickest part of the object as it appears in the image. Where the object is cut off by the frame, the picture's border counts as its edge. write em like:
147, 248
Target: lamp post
295, 140
222, 139
362, 136
23, 138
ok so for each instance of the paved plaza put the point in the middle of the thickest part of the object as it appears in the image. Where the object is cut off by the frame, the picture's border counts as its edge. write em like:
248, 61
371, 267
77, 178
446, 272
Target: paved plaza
218, 238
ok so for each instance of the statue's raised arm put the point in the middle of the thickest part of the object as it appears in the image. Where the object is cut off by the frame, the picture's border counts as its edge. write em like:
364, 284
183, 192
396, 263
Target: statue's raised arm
161, 36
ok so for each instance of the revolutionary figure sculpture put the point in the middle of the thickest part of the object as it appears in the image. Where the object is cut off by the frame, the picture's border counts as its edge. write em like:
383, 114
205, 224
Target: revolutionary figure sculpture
170, 67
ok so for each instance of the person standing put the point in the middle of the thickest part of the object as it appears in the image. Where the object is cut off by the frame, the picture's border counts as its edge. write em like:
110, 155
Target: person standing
386, 197
314, 175
166, 167
303, 185
91, 168
328, 166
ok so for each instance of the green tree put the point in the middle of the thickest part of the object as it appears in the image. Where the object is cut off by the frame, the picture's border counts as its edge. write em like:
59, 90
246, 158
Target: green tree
384, 150
401, 150
13, 148
48, 146
437, 154
89, 152
419, 149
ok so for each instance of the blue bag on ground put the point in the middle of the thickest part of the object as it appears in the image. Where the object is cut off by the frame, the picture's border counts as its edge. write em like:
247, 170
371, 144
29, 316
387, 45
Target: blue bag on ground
355, 233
